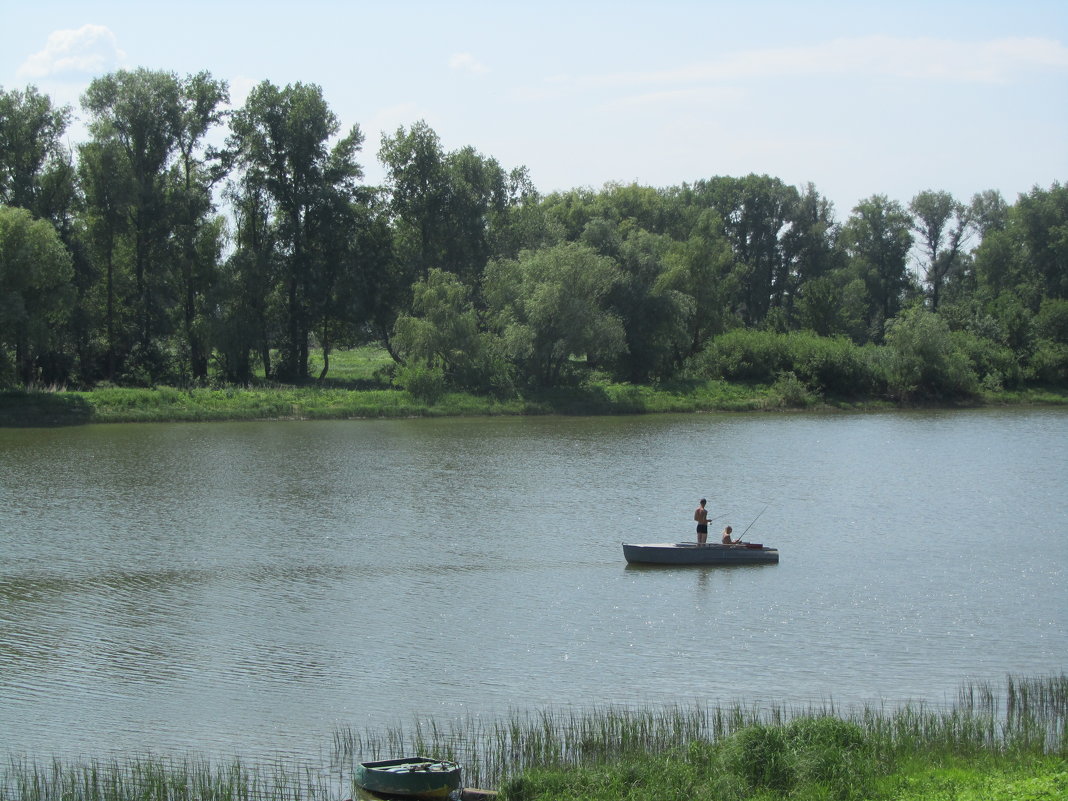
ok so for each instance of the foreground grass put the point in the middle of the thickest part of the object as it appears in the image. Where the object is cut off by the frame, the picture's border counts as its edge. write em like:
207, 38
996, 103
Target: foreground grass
1014, 738
697, 776
155, 779
975, 780
993, 744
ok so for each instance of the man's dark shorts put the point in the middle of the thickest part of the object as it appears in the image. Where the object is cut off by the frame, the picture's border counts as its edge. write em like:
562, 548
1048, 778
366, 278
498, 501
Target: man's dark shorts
702, 528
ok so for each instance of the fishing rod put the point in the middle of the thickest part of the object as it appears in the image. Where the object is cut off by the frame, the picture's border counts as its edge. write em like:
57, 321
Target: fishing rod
754, 520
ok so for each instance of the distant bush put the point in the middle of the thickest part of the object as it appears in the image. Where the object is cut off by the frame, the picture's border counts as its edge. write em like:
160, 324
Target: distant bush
742, 355
426, 384
823, 364
924, 361
1052, 320
830, 365
791, 392
995, 365
1049, 363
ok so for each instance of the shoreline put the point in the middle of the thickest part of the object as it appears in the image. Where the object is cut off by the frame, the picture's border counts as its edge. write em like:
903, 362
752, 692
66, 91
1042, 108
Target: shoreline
53, 409
1011, 737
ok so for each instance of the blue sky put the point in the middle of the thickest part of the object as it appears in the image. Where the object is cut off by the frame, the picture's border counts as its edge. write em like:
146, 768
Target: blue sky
857, 98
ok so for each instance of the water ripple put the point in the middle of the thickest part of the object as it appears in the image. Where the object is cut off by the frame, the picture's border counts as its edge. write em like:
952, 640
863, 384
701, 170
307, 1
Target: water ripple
248, 588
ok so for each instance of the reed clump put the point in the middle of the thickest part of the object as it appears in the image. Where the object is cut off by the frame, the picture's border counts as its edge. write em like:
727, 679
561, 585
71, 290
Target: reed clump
1006, 741
775, 749
149, 778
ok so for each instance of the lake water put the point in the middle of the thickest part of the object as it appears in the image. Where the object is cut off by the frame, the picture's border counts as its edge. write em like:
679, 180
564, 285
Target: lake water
246, 589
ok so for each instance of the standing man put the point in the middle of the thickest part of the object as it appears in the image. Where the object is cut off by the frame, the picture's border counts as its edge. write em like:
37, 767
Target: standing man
700, 514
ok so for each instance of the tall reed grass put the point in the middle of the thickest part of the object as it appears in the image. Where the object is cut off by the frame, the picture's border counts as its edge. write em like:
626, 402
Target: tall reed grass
148, 778
1027, 716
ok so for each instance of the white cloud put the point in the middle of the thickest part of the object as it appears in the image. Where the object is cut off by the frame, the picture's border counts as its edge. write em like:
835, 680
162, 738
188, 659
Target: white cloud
89, 50
465, 62
699, 96
992, 61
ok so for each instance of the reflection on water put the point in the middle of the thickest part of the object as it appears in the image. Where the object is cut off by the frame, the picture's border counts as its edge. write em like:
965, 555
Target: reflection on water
244, 589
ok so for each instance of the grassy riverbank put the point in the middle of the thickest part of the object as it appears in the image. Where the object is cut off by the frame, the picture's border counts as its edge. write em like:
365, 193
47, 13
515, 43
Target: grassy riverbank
357, 388
167, 404
993, 744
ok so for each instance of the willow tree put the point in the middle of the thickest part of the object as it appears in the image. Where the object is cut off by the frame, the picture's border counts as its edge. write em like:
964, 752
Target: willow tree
550, 306
35, 291
417, 180
35, 166
702, 270
37, 174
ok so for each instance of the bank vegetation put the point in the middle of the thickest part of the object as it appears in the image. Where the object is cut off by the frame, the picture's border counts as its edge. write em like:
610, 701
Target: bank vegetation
239, 274
992, 743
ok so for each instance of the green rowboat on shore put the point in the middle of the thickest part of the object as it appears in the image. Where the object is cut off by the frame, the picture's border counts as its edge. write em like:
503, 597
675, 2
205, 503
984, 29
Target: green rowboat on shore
414, 777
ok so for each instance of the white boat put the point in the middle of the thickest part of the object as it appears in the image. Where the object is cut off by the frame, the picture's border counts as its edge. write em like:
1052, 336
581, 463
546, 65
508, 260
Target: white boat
692, 553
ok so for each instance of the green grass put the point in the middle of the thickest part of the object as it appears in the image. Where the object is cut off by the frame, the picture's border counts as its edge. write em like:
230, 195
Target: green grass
697, 775
353, 368
1040, 779
357, 387
277, 403
1013, 734
993, 744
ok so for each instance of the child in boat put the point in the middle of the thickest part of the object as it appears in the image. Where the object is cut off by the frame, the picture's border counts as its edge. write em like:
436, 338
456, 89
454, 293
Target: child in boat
727, 536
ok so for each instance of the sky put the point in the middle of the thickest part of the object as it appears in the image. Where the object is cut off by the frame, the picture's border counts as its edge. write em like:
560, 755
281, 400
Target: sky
858, 98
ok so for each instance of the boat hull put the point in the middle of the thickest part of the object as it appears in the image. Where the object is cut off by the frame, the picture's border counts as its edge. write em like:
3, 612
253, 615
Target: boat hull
690, 553
413, 777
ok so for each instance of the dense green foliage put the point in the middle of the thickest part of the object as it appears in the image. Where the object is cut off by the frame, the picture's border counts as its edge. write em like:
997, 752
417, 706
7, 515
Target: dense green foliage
147, 256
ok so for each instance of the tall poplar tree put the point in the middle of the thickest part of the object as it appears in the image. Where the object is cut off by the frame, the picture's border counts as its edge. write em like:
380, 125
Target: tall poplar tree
942, 225
108, 190
280, 143
878, 238
196, 239
156, 123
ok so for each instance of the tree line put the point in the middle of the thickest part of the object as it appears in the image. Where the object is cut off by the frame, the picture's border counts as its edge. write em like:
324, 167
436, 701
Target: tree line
188, 242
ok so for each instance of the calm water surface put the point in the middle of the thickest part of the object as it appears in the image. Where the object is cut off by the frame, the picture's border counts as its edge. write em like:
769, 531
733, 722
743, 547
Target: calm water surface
248, 588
